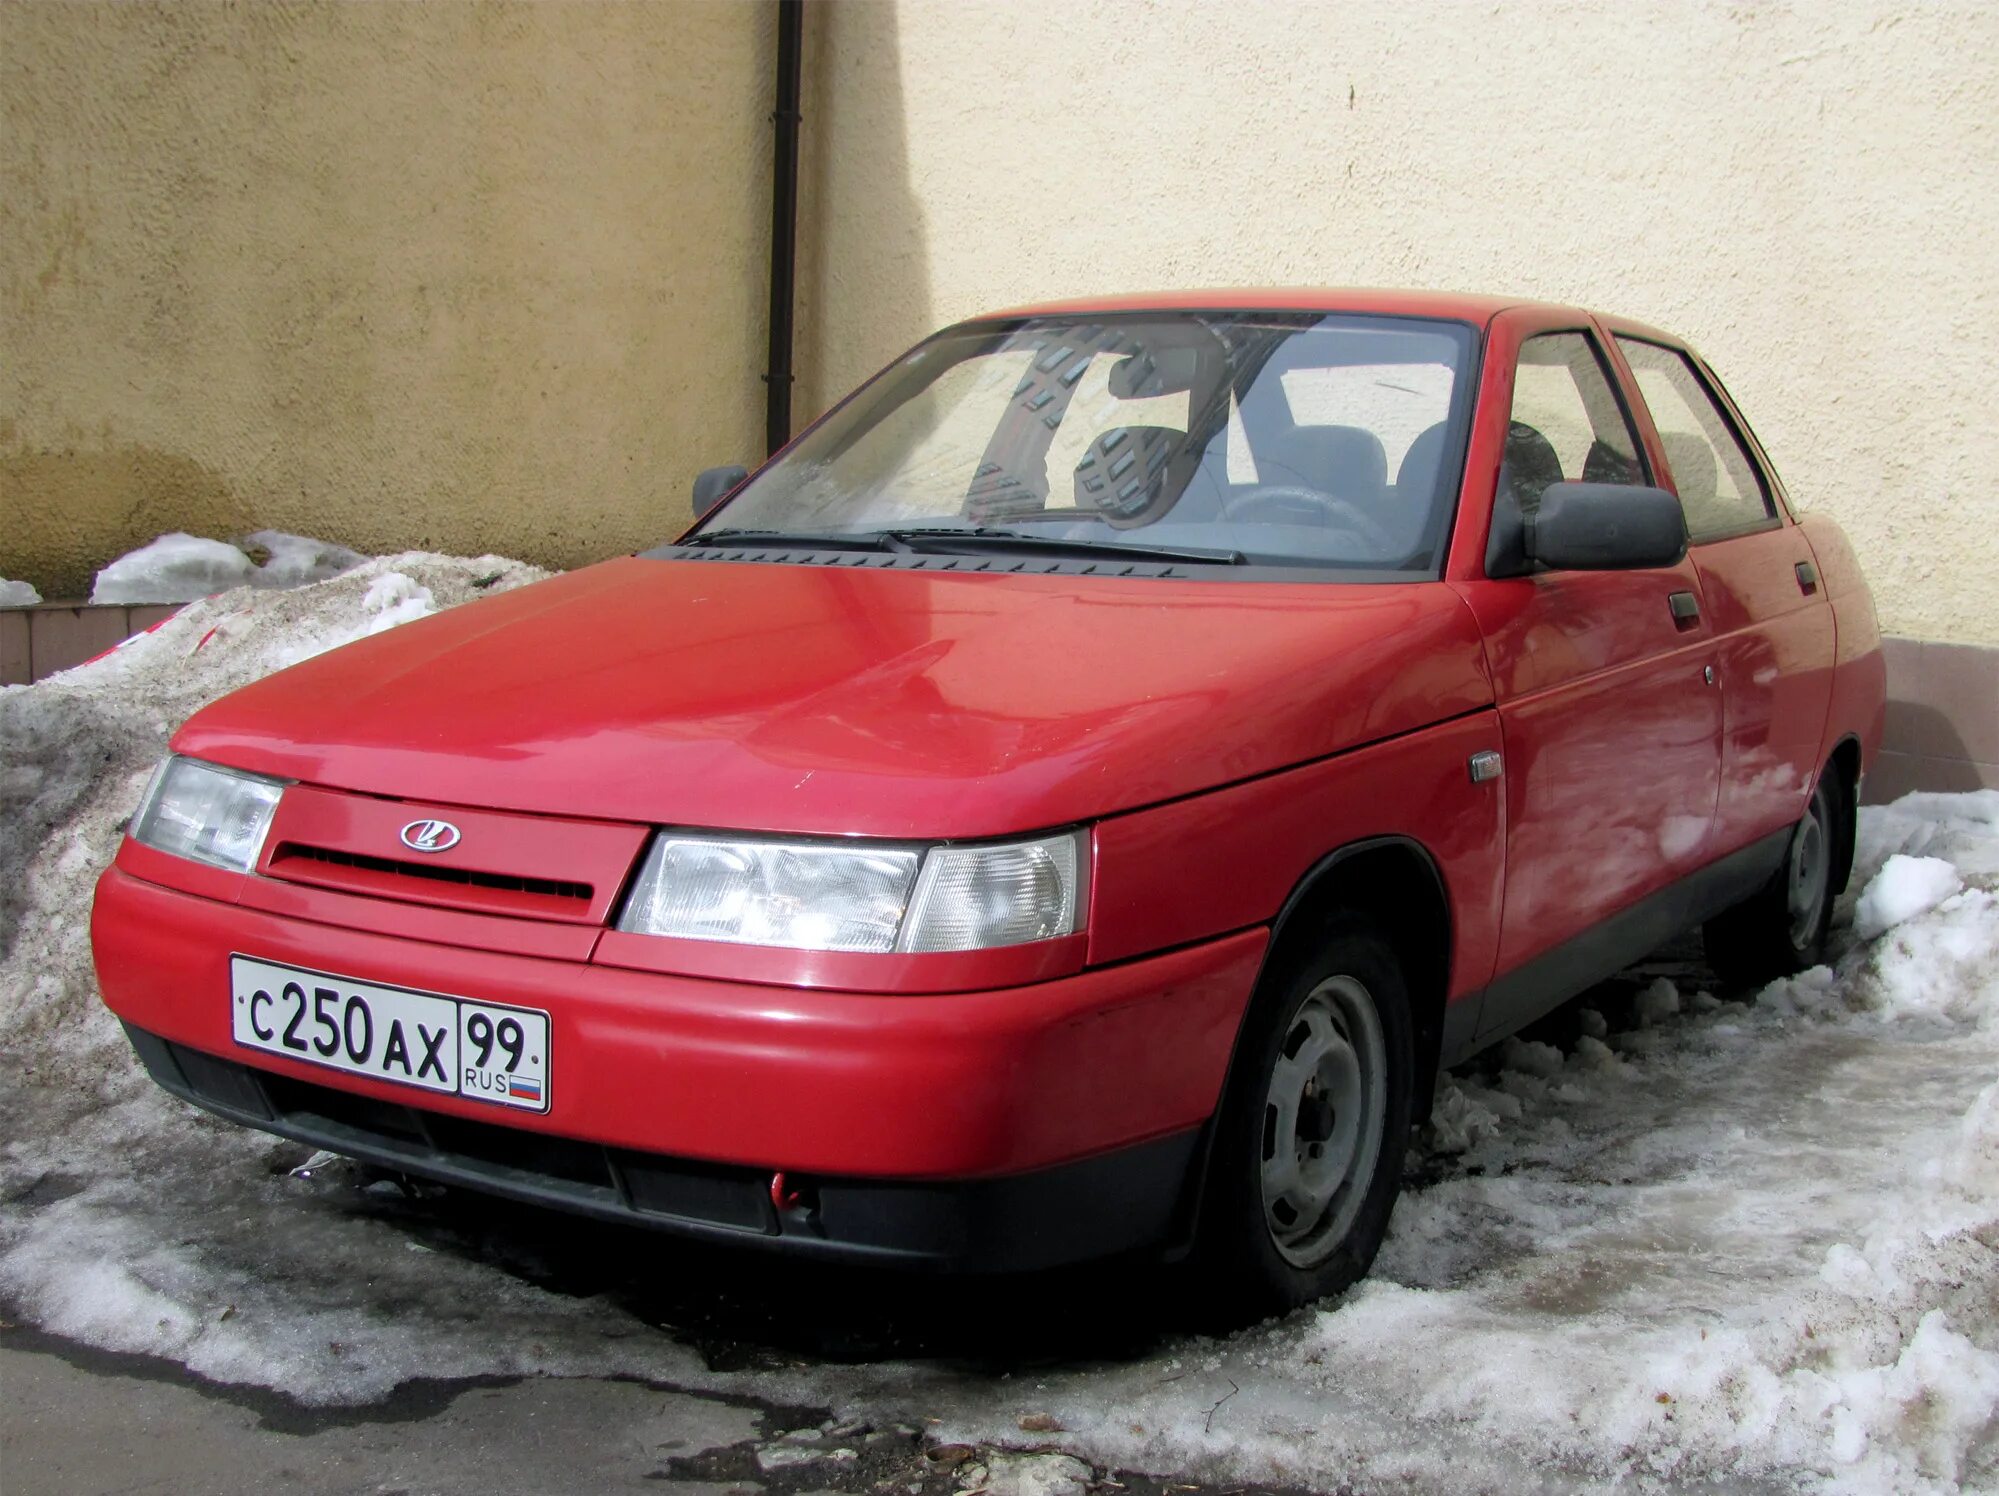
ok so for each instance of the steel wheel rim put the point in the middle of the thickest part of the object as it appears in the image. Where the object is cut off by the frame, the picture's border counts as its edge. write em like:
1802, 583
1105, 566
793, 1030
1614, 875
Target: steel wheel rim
1807, 873
1322, 1121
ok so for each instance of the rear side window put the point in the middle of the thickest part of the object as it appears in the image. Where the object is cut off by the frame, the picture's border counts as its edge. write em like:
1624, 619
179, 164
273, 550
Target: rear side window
1567, 425
1719, 486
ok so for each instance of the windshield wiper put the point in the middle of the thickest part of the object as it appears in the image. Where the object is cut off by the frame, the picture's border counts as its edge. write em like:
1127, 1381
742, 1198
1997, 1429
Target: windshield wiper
950, 539
849, 540
982, 538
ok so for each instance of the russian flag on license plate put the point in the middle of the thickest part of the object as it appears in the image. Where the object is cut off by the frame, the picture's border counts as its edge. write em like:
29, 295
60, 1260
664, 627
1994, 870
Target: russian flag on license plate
524, 1088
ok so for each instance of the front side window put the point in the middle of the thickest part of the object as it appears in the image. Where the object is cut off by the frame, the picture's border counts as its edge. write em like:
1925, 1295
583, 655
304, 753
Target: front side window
1718, 485
1290, 439
1566, 425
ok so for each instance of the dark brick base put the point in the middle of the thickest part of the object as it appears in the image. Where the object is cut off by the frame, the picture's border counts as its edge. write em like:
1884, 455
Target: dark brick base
48, 637
1943, 719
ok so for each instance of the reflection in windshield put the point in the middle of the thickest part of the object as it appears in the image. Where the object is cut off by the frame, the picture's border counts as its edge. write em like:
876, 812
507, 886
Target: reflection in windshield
1282, 438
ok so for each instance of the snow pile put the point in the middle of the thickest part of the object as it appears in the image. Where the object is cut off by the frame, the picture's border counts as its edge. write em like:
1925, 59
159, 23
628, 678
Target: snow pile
1904, 888
176, 568
17, 594
1963, 830
394, 599
296, 560
1688, 1241
77, 747
179, 568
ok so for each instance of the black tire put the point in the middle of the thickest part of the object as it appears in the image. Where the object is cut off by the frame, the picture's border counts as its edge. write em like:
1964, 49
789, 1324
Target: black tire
1253, 1258
1782, 928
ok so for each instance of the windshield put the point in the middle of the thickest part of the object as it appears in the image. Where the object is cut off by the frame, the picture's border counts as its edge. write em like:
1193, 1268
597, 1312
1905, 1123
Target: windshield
1290, 439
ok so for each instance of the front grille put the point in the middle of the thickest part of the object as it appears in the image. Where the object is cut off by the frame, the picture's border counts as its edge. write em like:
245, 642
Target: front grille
507, 863
548, 888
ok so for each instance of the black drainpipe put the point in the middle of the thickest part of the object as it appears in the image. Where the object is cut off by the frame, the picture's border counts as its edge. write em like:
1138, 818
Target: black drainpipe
783, 222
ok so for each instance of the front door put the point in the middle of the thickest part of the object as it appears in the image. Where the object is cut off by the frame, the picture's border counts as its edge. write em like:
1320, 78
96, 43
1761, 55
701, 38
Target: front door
1607, 694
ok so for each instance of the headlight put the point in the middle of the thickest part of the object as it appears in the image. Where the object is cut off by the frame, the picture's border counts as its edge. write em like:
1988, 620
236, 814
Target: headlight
207, 813
837, 896
816, 896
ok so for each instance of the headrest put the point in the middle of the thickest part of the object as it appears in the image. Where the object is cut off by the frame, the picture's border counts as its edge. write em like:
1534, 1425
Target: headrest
1529, 466
1421, 462
1692, 462
1605, 464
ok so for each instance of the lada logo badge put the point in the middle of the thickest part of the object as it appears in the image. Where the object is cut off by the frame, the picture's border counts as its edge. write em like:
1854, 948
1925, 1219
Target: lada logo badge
430, 836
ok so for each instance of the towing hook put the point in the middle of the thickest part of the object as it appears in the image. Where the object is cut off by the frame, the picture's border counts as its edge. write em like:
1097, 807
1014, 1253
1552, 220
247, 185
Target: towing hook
782, 1196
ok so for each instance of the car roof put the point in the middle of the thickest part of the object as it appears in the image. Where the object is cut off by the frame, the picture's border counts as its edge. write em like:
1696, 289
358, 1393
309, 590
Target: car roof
1459, 306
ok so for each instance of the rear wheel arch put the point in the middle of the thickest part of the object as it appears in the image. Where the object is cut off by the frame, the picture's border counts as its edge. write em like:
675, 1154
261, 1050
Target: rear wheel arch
1844, 764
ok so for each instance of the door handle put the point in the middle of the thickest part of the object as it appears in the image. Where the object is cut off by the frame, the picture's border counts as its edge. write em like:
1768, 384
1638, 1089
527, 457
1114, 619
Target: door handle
1686, 608
1808, 578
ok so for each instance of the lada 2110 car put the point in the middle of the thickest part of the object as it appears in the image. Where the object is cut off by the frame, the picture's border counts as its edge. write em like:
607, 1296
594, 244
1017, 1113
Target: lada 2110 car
1069, 802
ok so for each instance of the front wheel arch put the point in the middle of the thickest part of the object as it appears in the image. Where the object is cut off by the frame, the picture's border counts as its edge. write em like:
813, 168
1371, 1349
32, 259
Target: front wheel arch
1394, 885
1338, 1178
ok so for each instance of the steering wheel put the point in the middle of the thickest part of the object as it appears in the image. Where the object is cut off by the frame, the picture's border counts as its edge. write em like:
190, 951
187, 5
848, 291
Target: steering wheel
1293, 504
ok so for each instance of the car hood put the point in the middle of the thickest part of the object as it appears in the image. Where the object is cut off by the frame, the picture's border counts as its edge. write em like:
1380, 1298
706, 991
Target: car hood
855, 699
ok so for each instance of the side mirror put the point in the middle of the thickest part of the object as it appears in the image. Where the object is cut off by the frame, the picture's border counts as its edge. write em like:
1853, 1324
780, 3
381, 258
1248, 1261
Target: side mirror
1605, 527
714, 485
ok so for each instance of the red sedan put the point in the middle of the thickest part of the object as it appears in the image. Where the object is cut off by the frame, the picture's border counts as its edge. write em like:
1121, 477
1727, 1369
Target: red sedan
1071, 801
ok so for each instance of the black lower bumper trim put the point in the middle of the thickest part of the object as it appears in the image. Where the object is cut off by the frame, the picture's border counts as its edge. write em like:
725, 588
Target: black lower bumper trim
1096, 1207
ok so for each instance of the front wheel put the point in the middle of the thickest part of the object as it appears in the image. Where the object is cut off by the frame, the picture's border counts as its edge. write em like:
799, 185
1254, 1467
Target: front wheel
1782, 928
1309, 1145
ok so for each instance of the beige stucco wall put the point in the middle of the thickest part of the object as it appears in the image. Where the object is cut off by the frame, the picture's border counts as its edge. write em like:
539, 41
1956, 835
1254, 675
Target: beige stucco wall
1809, 192
470, 277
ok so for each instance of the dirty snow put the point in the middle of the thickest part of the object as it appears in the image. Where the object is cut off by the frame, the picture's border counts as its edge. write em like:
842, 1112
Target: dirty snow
295, 560
1680, 1239
180, 568
1030, 1475
17, 594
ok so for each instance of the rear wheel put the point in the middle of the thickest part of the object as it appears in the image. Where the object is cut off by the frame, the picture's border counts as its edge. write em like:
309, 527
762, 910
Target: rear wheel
1782, 928
1309, 1145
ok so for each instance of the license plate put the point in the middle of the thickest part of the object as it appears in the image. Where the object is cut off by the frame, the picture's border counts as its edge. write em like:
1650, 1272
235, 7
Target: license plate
452, 1045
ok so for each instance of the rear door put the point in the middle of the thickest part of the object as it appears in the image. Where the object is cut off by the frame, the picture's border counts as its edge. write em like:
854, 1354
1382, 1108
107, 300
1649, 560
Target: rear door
1773, 627
1604, 680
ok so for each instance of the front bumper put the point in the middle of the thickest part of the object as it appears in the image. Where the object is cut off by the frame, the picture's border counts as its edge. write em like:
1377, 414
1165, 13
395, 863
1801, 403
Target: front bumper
1096, 1207
1015, 1128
